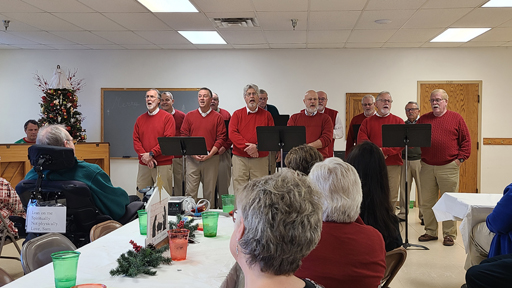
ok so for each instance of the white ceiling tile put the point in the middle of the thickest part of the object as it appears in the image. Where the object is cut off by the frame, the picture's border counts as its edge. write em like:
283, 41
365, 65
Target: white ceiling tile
495, 35
214, 46
8, 47
397, 17
240, 14
251, 46
69, 47
17, 6
414, 35
42, 37
508, 44
115, 6
122, 37
435, 18
16, 25
222, 5
326, 46
90, 21
333, 20
287, 46
106, 47
282, 20
289, 37
506, 24
35, 47
186, 21
43, 21
485, 18
163, 37
442, 44
9, 38
137, 21
484, 44
178, 47
281, 5
363, 45
330, 5
82, 37
244, 37
335, 36
402, 45
453, 3
370, 36
394, 4
141, 47
59, 6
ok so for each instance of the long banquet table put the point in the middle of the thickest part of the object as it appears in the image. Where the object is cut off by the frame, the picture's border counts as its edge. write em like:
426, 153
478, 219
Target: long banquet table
207, 263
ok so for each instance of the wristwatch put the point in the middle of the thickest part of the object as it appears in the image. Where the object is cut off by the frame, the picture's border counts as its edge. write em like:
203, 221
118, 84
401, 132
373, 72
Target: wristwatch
151, 154
461, 160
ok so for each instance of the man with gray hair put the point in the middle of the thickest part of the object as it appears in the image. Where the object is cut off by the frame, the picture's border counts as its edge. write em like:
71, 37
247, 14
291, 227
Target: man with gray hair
108, 199
368, 104
342, 256
148, 127
413, 162
248, 162
371, 130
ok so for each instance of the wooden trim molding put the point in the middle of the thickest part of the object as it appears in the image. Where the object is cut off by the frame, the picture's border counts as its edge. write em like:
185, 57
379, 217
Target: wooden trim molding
497, 141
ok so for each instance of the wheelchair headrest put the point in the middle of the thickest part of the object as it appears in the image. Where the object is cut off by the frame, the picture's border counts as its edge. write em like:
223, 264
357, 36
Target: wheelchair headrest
56, 158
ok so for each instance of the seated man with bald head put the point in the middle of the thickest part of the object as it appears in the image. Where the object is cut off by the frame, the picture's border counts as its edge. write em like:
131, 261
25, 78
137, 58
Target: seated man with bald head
108, 199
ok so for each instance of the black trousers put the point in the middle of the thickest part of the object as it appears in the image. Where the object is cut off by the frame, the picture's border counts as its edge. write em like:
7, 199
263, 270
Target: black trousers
495, 272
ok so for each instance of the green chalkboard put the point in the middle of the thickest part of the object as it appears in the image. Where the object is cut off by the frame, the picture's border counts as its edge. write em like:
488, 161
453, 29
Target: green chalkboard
120, 108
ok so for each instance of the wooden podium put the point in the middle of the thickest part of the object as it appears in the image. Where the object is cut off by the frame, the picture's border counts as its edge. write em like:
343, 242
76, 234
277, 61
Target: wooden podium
14, 163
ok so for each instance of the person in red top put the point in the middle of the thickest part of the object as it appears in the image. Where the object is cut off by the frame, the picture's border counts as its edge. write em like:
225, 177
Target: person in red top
440, 163
248, 162
204, 122
167, 104
224, 176
368, 103
31, 128
318, 125
371, 130
350, 253
148, 127
335, 118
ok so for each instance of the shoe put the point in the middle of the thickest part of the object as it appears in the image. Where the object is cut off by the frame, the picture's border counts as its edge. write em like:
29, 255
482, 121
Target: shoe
448, 241
422, 223
425, 237
464, 286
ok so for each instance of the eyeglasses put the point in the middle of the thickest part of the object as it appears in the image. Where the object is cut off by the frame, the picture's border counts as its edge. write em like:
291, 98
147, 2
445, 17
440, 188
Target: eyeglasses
367, 104
235, 212
411, 109
385, 100
321, 99
437, 100
251, 94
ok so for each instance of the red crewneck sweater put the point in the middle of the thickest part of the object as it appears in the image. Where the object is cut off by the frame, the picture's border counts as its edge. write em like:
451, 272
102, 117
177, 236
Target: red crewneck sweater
146, 131
318, 126
211, 127
242, 129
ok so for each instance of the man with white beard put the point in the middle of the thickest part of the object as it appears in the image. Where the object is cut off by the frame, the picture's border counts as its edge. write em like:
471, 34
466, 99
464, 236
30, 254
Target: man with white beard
148, 127
319, 126
371, 130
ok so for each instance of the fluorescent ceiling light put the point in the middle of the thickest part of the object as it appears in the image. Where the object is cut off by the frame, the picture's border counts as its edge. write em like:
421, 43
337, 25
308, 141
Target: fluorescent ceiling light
498, 3
168, 5
459, 34
203, 37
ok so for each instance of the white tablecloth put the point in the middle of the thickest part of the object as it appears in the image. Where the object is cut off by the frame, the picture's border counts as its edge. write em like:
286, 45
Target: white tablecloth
207, 263
470, 208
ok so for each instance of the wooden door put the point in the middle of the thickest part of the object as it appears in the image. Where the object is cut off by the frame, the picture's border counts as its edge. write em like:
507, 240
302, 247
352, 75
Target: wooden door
353, 107
463, 98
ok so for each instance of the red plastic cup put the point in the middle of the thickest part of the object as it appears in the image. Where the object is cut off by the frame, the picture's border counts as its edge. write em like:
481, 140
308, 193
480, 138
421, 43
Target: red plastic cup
178, 243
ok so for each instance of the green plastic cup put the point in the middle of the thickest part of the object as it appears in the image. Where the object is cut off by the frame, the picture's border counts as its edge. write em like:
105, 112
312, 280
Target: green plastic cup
210, 220
228, 203
143, 221
64, 268
411, 204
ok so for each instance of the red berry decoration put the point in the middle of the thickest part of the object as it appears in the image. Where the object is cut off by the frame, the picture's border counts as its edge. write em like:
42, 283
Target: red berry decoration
181, 224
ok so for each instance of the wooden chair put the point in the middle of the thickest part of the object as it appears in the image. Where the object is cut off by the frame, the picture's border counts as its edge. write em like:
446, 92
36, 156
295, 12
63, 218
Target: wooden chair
103, 228
37, 252
394, 261
4, 277
7, 237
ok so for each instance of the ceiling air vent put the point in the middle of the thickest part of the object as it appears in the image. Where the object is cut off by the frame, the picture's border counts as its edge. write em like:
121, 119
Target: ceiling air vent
233, 22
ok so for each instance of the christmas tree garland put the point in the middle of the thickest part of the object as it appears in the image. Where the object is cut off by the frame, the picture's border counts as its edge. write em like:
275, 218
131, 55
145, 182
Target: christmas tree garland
182, 223
140, 260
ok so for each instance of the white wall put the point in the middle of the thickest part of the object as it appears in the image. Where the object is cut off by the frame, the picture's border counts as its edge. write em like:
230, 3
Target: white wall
285, 74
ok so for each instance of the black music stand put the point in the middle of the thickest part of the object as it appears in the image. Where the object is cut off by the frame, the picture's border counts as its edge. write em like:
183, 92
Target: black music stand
356, 127
182, 146
281, 120
280, 138
403, 135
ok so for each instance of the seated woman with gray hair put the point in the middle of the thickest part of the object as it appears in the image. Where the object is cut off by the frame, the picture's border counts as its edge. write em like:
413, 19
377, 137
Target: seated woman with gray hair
278, 222
350, 253
302, 158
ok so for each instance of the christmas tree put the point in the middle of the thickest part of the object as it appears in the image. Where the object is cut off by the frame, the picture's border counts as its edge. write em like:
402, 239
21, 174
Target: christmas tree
59, 103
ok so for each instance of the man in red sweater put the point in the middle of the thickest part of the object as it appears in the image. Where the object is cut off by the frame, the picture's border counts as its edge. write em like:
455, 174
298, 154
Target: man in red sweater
335, 118
204, 122
440, 163
224, 177
167, 104
371, 130
318, 125
368, 103
148, 127
248, 162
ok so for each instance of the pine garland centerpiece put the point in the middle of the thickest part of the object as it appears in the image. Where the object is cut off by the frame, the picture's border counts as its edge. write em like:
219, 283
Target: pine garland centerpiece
184, 223
140, 260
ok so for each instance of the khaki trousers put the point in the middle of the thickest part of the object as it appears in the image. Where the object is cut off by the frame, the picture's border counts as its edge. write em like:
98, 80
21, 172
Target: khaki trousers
147, 177
435, 179
394, 183
247, 169
177, 172
224, 176
204, 172
479, 245
414, 168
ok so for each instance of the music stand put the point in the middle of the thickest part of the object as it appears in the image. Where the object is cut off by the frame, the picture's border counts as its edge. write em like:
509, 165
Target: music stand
281, 120
182, 146
356, 127
403, 135
280, 138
